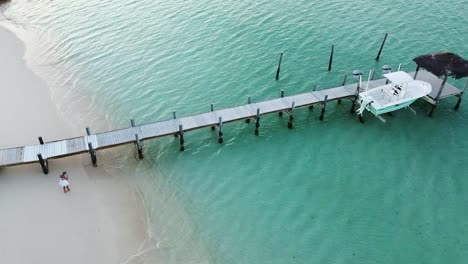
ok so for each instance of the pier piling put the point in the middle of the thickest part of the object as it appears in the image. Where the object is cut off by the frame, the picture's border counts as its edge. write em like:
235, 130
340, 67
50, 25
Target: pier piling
324, 105
460, 97
330, 61
381, 47
212, 109
41, 141
44, 163
139, 146
279, 66
434, 106
132, 122
291, 116
181, 138
257, 122
88, 131
92, 153
220, 133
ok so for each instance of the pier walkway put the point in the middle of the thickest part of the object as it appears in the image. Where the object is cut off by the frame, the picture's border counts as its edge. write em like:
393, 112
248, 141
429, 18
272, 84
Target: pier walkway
214, 119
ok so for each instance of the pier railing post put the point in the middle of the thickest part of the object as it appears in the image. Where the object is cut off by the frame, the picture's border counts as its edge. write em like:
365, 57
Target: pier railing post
291, 116
44, 163
279, 66
381, 47
257, 122
280, 113
139, 146
181, 138
92, 153
330, 61
220, 132
324, 105
460, 97
41, 141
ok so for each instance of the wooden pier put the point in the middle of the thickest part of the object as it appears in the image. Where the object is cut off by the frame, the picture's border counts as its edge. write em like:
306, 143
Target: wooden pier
215, 119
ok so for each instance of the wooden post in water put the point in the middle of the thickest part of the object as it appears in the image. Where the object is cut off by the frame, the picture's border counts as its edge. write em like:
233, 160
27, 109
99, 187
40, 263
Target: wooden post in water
248, 119
212, 109
280, 113
438, 95
175, 117
460, 97
139, 146
257, 121
88, 131
132, 122
356, 95
331, 58
381, 47
322, 112
220, 132
44, 163
181, 138
291, 116
92, 153
279, 66
41, 141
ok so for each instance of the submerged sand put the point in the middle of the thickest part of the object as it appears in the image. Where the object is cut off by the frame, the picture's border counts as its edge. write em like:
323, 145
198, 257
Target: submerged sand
101, 220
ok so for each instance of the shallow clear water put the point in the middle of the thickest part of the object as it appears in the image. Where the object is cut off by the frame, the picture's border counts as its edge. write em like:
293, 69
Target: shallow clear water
325, 192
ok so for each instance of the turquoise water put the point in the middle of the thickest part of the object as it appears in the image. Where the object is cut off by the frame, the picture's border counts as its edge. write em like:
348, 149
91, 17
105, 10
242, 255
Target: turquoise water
324, 192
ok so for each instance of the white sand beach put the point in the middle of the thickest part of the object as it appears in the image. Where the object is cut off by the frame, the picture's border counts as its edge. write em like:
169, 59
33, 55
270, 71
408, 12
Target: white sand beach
101, 220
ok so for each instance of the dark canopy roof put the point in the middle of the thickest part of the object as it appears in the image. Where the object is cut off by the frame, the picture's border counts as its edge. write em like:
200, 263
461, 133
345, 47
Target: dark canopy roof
444, 63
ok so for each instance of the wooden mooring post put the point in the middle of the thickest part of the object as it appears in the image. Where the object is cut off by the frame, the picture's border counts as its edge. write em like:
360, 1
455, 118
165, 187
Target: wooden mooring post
92, 153
139, 146
324, 105
220, 132
291, 115
181, 138
381, 47
279, 66
44, 163
330, 61
41, 141
257, 122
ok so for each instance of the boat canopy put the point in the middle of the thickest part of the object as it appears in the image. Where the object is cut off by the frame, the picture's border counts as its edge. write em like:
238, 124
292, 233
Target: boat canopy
398, 77
444, 63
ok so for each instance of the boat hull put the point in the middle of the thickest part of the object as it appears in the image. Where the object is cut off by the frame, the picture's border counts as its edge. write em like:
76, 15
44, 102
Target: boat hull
392, 108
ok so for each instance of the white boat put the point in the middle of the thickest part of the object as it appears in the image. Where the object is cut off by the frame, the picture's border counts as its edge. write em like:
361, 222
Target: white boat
402, 91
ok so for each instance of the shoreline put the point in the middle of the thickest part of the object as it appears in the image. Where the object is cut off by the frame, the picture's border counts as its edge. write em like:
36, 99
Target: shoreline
102, 219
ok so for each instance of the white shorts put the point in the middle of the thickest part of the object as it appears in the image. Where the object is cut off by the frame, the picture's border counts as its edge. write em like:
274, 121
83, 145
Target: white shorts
63, 183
